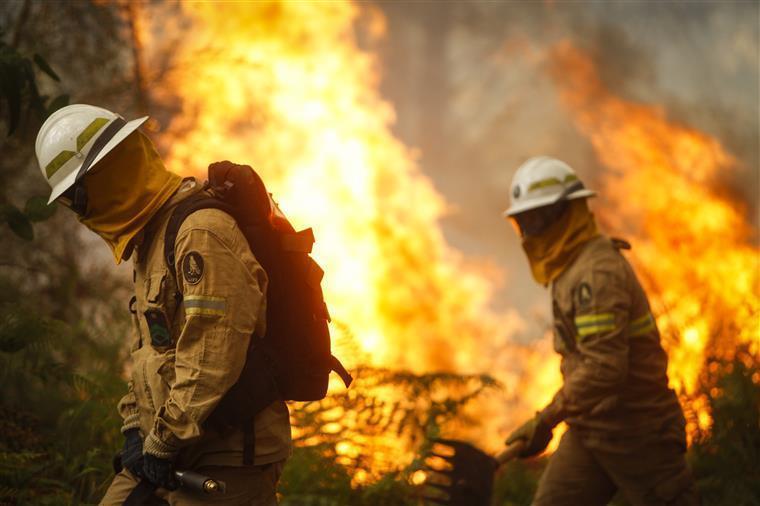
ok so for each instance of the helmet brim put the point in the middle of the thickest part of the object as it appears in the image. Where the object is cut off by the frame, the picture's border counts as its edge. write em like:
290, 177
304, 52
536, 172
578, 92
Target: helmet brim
545, 201
68, 181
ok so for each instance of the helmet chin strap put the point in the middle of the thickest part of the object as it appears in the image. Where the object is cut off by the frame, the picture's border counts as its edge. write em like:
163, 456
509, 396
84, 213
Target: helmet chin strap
578, 185
77, 194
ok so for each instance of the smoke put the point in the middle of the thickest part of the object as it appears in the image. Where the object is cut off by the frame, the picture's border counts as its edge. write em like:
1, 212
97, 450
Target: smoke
472, 92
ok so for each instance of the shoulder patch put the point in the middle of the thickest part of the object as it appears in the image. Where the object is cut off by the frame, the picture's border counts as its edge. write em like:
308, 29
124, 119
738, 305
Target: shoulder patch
192, 268
584, 294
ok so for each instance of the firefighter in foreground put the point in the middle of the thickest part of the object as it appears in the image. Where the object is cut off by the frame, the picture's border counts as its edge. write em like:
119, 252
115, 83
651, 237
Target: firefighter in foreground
626, 428
191, 330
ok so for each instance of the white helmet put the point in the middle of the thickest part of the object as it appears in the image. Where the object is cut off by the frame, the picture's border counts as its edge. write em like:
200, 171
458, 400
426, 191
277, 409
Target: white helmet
76, 137
543, 181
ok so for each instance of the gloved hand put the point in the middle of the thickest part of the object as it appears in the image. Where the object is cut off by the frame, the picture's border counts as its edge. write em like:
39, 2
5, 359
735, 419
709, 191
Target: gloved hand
160, 472
536, 433
131, 454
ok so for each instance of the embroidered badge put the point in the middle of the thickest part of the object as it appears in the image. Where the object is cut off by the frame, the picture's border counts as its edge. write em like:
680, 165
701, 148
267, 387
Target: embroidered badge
584, 295
158, 327
192, 267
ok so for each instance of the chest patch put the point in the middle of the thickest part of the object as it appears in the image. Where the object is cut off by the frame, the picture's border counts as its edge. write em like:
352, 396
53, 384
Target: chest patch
158, 327
192, 268
584, 295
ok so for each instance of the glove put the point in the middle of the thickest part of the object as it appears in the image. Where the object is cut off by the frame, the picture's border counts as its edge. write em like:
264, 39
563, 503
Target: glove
536, 433
131, 454
160, 472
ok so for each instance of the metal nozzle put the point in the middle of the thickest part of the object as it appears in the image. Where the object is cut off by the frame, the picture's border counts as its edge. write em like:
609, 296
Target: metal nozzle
210, 486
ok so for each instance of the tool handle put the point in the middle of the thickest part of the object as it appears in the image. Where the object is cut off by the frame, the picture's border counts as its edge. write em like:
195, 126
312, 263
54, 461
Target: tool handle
511, 453
199, 483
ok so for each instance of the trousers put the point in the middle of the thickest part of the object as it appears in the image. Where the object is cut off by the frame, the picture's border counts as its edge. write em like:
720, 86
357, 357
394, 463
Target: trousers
650, 473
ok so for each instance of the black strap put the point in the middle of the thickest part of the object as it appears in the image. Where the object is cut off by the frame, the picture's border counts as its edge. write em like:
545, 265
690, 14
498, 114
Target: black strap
99, 144
578, 185
341, 371
77, 193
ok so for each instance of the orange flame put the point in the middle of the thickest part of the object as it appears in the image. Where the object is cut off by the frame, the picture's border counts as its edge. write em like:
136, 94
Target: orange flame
693, 244
284, 87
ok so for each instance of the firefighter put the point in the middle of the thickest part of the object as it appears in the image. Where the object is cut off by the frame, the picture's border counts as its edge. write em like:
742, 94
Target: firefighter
190, 331
625, 426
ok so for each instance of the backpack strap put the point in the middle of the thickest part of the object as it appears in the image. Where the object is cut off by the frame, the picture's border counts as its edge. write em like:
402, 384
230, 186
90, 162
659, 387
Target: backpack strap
180, 213
341, 371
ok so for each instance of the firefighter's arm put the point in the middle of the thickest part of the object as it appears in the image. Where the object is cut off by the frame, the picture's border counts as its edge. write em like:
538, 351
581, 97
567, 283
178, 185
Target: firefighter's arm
222, 286
127, 406
602, 307
128, 411
556, 411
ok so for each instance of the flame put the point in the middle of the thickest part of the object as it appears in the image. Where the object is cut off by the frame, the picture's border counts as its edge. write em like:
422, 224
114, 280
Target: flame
693, 245
285, 88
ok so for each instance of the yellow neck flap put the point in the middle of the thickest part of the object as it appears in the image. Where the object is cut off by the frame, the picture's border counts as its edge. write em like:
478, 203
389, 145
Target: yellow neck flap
555, 249
124, 191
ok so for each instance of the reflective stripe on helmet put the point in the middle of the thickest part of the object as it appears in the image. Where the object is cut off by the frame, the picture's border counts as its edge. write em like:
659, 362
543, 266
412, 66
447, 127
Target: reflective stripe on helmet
82, 139
552, 181
90, 131
58, 162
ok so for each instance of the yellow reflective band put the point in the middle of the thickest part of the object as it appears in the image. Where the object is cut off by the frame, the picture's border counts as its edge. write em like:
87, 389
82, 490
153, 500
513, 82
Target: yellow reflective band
82, 140
641, 326
591, 319
89, 131
594, 329
204, 305
58, 162
552, 181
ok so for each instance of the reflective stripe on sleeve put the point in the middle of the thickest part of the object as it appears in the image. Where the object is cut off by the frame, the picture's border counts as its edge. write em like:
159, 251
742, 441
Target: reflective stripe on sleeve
641, 326
594, 323
204, 305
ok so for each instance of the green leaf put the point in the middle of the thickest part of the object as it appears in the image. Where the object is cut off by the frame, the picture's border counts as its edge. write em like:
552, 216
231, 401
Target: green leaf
57, 103
37, 209
12, 86
19, 223
43, 65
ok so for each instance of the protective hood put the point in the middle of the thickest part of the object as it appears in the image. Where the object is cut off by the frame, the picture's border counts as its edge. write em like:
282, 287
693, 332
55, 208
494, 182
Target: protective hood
124, 191
554, 250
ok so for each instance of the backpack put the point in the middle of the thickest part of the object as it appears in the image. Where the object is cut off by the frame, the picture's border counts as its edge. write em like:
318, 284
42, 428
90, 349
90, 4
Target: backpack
292, 361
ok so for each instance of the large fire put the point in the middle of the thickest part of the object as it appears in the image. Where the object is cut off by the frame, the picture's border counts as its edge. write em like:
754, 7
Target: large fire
693, 245
285, 87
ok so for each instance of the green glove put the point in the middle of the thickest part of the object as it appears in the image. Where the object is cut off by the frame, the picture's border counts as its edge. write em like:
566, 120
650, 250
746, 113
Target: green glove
536, 433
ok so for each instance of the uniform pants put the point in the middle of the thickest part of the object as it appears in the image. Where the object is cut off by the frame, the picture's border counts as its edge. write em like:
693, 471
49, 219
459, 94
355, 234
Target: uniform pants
249, 486
650, 474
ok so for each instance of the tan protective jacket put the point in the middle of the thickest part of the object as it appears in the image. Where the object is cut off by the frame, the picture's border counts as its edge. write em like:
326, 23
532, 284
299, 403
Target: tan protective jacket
614, 368
187, 353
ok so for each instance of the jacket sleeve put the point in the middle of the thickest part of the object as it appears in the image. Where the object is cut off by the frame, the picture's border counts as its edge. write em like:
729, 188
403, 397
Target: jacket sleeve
127, 406
602, 304
223, 289
128, 411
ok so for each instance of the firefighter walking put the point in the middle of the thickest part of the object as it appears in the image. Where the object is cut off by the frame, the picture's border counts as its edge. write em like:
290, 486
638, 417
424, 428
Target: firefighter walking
626, 427
192, 323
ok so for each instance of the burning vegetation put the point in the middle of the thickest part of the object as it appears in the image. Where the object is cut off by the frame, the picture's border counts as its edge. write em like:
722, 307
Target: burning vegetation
694, 247
286, 87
